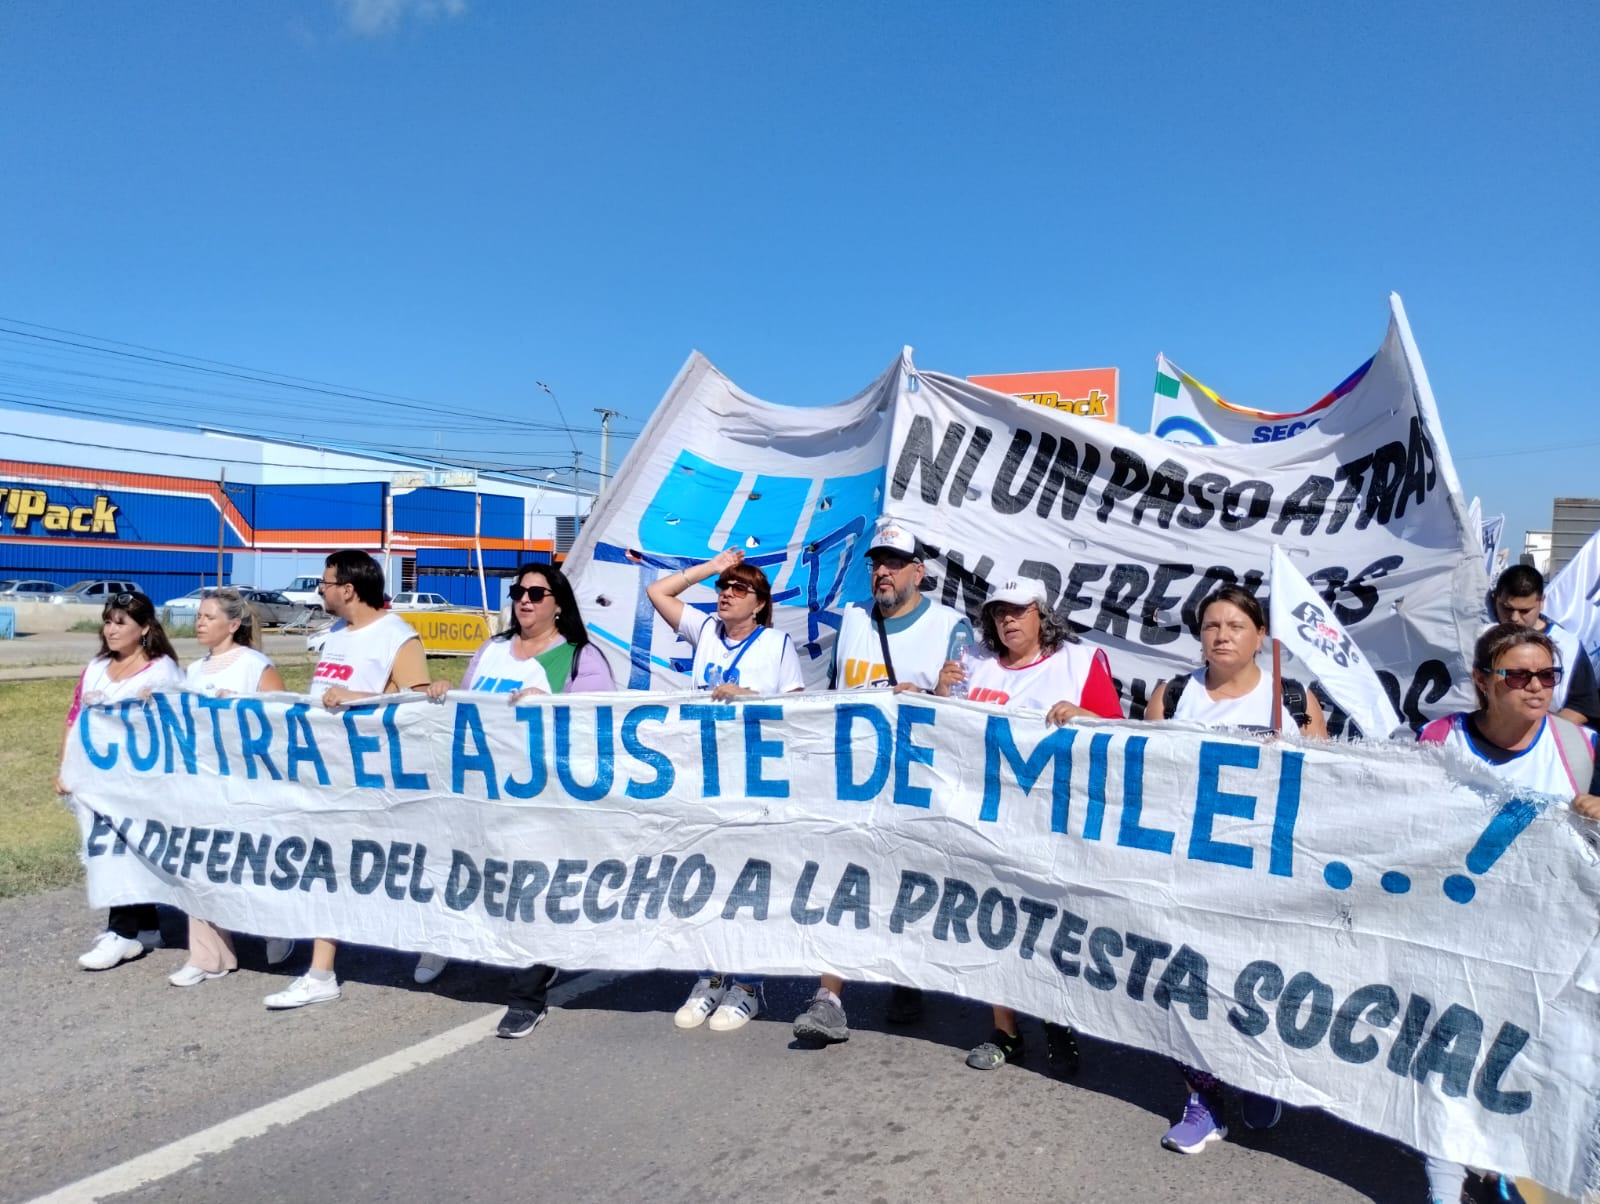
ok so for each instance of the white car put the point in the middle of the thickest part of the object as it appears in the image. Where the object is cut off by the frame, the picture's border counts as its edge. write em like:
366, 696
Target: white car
303, 591
408, 600
27, 591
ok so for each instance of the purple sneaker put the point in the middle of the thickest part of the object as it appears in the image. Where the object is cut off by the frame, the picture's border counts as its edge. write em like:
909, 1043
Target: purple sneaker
1199, 1127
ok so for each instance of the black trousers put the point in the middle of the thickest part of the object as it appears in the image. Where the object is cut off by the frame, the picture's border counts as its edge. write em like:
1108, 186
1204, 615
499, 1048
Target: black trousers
528, 987
130, 920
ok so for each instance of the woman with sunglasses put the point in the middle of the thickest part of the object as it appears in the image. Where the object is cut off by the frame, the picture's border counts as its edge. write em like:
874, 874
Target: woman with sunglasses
737, 651
1513, 736
135, 658
545, 649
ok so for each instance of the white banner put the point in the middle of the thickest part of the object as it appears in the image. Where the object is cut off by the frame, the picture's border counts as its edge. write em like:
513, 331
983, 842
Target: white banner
1572, 597
795, 488
1361, 929
1129, 532
1303, 626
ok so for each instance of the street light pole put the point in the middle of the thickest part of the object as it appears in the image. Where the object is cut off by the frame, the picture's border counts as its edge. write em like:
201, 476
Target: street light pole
605, 443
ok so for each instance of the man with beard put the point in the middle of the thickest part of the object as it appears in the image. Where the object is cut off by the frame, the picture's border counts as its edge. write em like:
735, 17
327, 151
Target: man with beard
899, 642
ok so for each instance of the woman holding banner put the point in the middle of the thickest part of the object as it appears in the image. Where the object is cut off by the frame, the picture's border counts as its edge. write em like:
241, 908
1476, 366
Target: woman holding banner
1038, 663
225, 626
544, 650
1229, 691
1514, 736
135, 657
737, 651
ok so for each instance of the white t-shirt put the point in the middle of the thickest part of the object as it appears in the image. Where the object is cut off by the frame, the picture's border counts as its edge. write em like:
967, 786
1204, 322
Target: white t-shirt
1059, 677
917, 644
1252, 711
1538, 767
765, 661
238, 671
361, 658
96, 686
496, 670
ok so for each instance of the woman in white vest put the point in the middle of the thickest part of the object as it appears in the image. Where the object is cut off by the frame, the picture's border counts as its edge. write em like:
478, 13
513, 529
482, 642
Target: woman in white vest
737, 651
545, 650
1036, 662
1514, 735
135, 658
225, 626
1229, 690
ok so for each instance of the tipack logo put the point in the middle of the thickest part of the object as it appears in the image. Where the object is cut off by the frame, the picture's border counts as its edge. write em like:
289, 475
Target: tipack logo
1092, 406
23, 506
333, 671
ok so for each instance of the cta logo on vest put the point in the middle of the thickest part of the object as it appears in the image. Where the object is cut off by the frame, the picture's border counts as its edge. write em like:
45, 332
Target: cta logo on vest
23, 506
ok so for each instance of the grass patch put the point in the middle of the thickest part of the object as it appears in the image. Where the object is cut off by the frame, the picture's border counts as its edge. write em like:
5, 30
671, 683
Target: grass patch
38, 834
89, 626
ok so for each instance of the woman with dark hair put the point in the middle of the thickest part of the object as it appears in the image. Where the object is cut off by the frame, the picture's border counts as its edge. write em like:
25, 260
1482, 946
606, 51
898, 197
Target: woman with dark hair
545, 649
1034, 661
1514, 736
135, 658
1228, 691
736, 651
225, 626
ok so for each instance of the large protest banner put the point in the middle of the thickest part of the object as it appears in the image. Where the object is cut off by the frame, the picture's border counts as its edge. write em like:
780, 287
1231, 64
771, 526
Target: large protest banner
1367, 930
795, 488
1130, 532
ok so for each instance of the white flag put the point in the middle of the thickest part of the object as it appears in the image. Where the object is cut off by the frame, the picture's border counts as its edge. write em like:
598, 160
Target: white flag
1307, 627
1572, 597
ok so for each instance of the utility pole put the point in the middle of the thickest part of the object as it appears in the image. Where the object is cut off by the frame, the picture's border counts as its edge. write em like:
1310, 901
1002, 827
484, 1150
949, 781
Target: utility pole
577, 480
222, 520
605, 443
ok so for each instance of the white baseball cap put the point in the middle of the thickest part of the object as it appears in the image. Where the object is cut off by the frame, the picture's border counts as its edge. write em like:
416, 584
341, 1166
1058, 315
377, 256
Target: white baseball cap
1018, 592
891, 537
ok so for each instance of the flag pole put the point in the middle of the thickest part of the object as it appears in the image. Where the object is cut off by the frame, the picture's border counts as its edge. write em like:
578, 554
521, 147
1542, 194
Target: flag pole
1277, 687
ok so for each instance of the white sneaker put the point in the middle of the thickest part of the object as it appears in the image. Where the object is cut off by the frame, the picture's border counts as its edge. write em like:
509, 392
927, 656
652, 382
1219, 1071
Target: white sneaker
739, 1006
109, 950
429, 967
191, 975
702, 1001
278, 950
302, 991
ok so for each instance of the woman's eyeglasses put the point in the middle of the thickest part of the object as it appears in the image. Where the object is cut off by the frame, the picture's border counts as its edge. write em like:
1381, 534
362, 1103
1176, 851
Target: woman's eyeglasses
737, 588
534, 593
1519, 679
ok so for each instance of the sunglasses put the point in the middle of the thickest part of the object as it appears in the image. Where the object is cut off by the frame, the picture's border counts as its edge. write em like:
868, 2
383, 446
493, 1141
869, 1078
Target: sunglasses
1520, 679
322, 585
738, 588
534, 593
123, 601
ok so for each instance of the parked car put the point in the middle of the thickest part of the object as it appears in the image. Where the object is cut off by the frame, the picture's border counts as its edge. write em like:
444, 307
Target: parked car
273, 607
303, 590
183, 609
409, 600
27, 591
95, 592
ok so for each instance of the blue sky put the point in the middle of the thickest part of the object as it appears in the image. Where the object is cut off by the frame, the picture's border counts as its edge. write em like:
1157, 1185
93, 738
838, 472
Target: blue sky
450, 200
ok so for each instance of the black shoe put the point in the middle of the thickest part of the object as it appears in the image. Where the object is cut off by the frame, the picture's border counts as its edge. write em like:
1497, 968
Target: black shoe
905, 1005
994, 1053
519, 1022
1061, 1047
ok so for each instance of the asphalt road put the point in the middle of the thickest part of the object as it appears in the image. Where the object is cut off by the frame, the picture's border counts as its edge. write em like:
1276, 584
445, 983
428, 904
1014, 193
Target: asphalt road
605, 1101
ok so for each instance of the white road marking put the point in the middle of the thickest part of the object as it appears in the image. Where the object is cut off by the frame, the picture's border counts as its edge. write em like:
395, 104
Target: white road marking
185, 1152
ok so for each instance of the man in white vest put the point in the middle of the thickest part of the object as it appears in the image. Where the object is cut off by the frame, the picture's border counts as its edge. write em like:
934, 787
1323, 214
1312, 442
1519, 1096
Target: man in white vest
898, 642
369, 651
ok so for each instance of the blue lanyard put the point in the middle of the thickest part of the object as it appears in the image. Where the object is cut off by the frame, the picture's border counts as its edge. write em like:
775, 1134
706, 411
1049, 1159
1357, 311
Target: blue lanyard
733, 666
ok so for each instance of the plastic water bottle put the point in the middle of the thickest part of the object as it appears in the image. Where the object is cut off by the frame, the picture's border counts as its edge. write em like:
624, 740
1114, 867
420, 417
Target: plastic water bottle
960, 642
